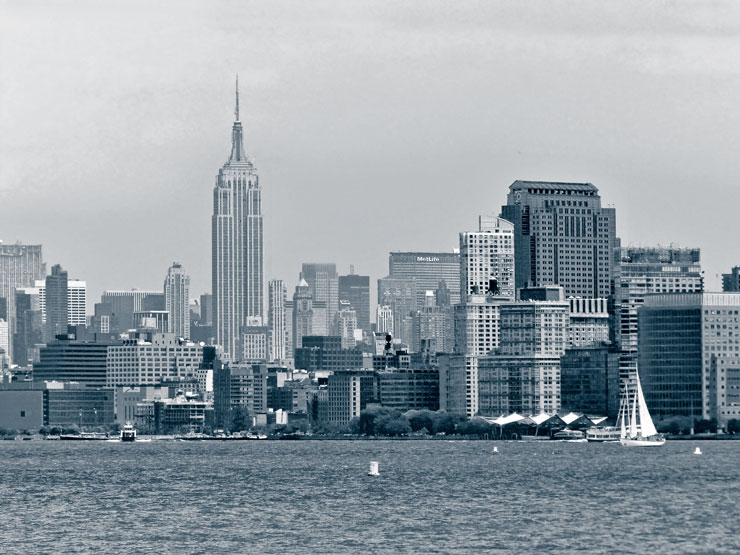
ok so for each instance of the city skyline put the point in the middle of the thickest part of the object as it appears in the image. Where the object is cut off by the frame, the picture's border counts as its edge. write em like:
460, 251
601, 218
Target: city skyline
598, 140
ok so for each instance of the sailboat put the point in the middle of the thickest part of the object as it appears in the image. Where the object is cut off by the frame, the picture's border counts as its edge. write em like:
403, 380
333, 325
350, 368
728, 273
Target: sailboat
635, 424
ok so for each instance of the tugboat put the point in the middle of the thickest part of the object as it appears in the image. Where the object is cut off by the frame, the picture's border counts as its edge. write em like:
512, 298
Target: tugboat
128, 433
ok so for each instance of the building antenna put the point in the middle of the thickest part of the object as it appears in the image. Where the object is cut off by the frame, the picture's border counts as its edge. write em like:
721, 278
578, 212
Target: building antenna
236, 109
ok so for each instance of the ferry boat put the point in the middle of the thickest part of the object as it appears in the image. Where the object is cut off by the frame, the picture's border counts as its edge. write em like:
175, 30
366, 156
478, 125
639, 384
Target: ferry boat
636, 428
607, 433
128, 433
568, 434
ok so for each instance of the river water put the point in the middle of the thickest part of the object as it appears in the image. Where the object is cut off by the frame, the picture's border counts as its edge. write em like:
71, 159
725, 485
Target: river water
316, 497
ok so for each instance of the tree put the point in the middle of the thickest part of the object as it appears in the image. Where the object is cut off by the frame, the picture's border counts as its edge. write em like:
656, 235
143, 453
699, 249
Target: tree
733, 426
474, 427
397, 426
421, 420
444, 423
705, 426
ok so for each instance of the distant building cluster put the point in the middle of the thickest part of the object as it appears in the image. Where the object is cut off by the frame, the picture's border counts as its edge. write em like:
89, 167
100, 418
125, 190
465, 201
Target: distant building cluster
538, 310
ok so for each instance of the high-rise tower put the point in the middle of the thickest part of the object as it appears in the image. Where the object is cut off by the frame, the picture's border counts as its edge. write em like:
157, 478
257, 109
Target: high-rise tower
177, 300
237, 269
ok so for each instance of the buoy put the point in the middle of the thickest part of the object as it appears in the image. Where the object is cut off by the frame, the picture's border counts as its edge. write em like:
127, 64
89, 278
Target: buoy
495, 449
697, 451
373, 469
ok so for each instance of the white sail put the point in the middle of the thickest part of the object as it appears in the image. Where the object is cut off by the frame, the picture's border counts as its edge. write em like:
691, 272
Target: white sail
633, 415
647, 427
622, 418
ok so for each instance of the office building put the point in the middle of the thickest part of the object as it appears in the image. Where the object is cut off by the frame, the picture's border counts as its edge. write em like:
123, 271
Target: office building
238, 388
163, 416
435, 325
177, 301
487, 259
323, 282
345, 324
302, 314
589, 322
69, 360
76, 301
123, 304
325, 353
689, 355
427, 269
349, 392
562, 236
152, 320
151, 359
28, 334
20, 266
731, 281
589, 381
56, 303
255, 344
409, 389
237, 248
384, 320
476, 324
355, 289
643, 271
73, 404
276, 320
523, 375
458, 383
400, 294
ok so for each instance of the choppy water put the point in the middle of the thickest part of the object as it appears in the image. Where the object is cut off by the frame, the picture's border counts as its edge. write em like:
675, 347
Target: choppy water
316, 497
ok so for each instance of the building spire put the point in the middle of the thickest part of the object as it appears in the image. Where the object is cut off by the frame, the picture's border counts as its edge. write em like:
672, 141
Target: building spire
237, 146
236, 109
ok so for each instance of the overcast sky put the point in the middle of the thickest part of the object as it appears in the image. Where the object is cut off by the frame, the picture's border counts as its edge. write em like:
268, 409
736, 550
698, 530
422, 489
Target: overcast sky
374, 126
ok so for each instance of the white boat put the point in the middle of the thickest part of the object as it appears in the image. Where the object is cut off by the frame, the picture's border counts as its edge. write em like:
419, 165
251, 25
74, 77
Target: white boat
570, 435
128, 433
607, 433
636, 428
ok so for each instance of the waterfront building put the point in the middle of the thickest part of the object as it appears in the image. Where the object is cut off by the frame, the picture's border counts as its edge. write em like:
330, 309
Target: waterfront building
349, 392
427, 269
589, 322
345, 324
643, 271
356, 290
20, 266
302, 314
562, 236
487, 259
325, 353
21, 409
589, 381
127, 398
68, 404
323, 282
177, 300
237, 248
240, 389
476, 324
458, 383
276, 319
689, 355
69, 360
151, 359
523, 375
162, 416
409, 389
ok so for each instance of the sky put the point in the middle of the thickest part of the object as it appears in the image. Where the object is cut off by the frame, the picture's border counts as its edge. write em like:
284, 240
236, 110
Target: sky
375, 126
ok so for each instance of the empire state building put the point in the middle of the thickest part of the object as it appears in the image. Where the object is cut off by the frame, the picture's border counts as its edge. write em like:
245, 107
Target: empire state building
237, 270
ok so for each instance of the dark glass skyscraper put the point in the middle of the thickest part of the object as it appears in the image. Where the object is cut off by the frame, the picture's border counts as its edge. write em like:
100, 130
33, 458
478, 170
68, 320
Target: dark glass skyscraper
356, 290
57, 305
562, 236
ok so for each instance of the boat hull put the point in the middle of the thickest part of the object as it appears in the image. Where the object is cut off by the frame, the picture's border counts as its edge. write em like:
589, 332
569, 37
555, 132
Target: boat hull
627, 442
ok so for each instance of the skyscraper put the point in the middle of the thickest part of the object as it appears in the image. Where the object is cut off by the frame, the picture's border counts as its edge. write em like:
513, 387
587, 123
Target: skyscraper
356, 290
302, 314
323, 281
57, 303
731, 281
76, 301
487, 258
562, 236
177, 301
428, 269
277, 295
20, 266
237, 241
